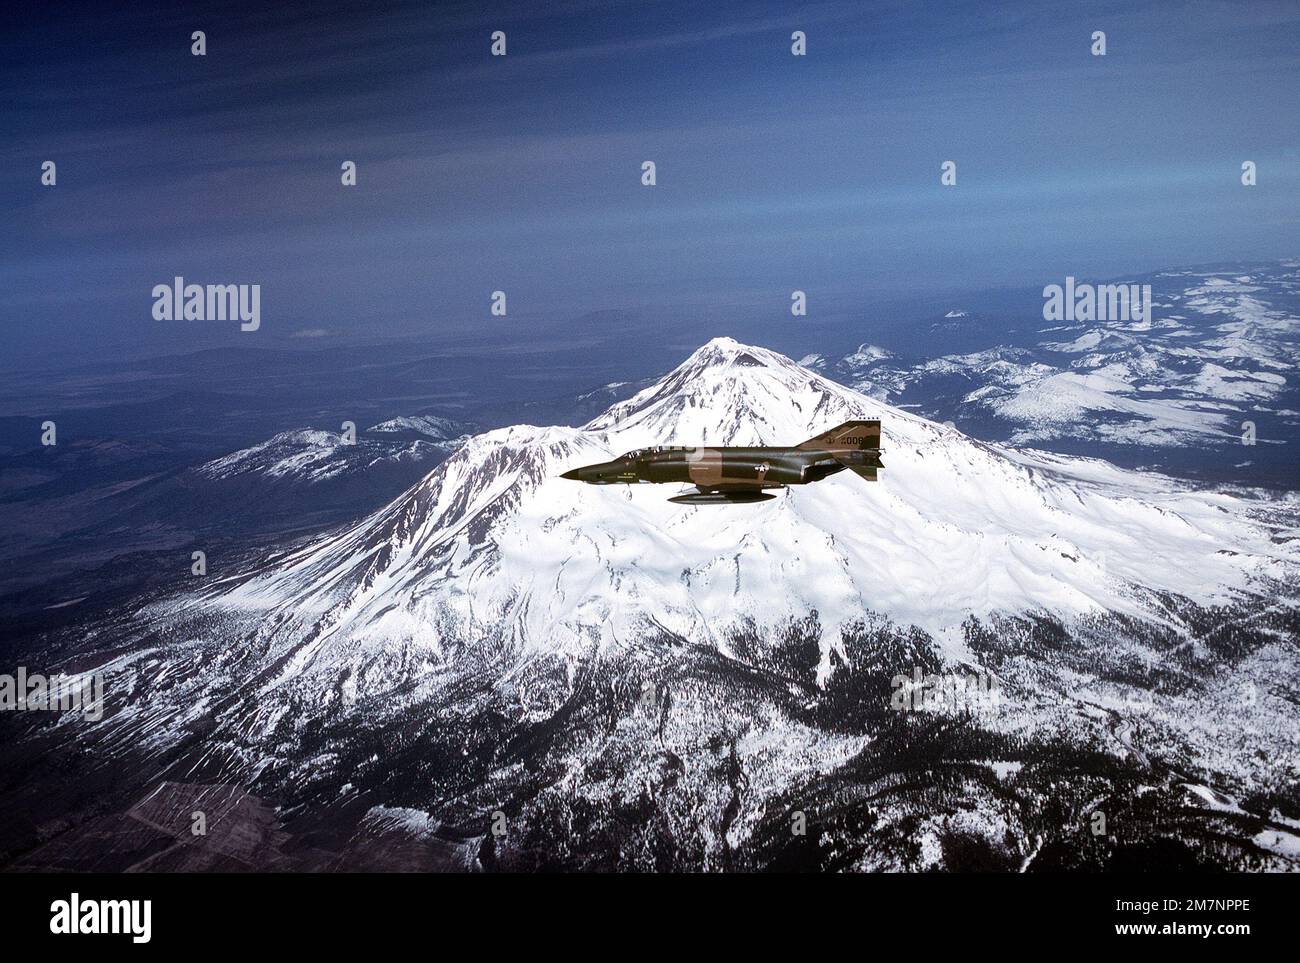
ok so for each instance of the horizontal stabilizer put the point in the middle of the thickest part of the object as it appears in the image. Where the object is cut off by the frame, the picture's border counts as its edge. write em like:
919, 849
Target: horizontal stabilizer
862, 463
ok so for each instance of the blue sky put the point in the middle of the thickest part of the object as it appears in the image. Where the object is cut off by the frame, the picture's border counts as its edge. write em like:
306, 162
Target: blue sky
522, 173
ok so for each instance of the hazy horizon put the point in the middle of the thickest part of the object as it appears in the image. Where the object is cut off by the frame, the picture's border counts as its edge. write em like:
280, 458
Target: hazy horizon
522, 173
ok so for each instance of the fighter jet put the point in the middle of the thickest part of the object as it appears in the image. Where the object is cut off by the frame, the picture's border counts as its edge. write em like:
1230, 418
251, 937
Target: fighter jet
731, 475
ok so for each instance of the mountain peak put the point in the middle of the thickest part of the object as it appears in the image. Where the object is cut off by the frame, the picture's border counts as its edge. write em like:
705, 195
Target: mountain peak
729, 393
728, 351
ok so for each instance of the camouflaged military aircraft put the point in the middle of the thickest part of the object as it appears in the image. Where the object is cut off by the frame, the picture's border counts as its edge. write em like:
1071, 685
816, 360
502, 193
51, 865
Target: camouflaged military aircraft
731, 475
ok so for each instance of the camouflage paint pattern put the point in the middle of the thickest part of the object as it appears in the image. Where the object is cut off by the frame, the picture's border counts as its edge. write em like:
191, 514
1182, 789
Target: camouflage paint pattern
739, 474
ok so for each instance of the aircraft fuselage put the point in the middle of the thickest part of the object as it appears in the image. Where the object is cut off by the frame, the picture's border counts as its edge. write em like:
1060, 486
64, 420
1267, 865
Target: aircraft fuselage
723, 474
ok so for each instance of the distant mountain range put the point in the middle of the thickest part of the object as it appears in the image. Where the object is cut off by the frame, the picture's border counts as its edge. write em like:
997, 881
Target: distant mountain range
1173, 391
85, 503
311, 456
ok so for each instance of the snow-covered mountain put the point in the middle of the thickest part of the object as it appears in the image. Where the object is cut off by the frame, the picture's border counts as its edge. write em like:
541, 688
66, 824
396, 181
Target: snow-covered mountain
1218, 351
511, 625
493, 541
428, 426
312, 455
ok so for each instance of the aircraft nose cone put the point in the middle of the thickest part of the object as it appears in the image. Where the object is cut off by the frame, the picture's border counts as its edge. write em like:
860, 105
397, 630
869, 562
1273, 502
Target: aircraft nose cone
572, 474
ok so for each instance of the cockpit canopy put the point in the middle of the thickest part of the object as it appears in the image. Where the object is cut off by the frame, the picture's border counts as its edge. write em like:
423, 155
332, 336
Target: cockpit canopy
639, 453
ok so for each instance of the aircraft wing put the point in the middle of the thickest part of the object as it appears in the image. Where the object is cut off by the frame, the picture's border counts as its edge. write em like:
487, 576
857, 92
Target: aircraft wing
723, 495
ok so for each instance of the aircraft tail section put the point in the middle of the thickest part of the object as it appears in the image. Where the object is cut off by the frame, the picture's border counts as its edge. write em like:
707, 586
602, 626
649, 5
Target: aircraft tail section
854, 444
860, 435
